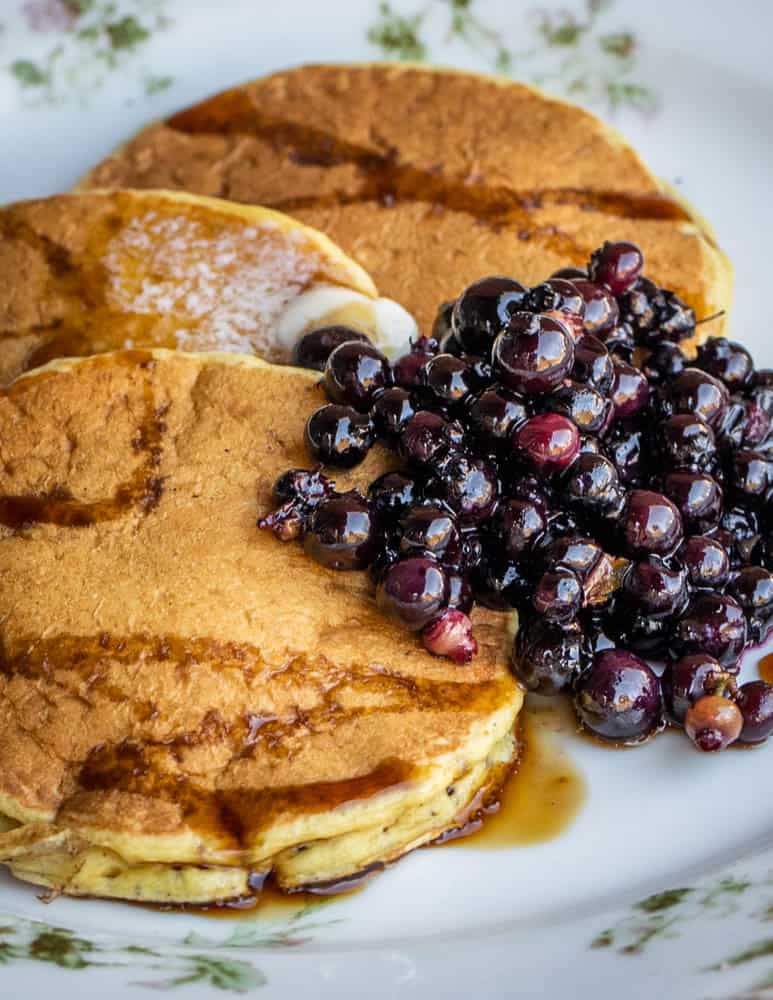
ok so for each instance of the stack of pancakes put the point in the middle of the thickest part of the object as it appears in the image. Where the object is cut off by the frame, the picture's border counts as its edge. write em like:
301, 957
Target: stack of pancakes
187, 704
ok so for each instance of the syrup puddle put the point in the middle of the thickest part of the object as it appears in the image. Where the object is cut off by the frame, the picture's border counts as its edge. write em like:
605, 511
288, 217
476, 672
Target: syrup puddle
542, 799
537, 804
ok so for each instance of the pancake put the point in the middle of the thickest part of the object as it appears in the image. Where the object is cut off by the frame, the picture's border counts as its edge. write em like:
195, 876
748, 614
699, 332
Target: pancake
431, 178
82, 274
186, 703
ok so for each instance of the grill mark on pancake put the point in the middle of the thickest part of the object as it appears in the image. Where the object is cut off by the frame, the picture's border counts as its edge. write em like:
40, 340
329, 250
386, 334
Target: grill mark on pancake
232, 817
142, 490
386, 180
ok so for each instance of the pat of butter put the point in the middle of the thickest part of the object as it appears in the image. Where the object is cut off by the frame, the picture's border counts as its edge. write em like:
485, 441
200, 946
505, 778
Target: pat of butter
385, 321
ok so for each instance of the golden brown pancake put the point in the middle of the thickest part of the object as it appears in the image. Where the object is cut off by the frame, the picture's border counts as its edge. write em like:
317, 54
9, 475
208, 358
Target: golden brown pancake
187, 703
82, 274
430, 178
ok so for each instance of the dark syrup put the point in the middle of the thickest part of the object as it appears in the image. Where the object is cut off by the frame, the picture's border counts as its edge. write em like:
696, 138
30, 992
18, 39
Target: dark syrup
765, 668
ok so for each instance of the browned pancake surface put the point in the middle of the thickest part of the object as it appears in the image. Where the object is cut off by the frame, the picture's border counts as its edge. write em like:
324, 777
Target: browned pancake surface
429, 178
165, 666
83, 274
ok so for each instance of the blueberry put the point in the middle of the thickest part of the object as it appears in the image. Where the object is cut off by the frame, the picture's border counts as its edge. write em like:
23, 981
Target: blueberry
713, 624
355, 372
755, 701
616, 265
546, 656
316, 346
339, 435
727, 361
549, 442
651, 524
413, 591
706, 562
698, 497
686, 680
484, 309
342, 533
618, 698
533, 354
391, 412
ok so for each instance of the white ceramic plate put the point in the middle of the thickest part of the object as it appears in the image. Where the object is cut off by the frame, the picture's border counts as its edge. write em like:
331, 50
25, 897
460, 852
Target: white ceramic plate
664, 884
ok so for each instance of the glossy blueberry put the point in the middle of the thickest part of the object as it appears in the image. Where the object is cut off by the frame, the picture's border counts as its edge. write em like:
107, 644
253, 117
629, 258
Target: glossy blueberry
494, 414
339, 435
391, 412
342, 533
630, 390
592, 484
625, 446
751, 476
518, 523
449, 380
601, 309
500, 583
713, 624
413, 591
698, 497
726, 360
427, 438
316, 346
618, 699
533, 354
469, 486
431, 531
354, 373
584, 405
392, 494
558, 595
697, 392
592, 363
651, 524
755, 701
706, 562
549, 442
664, 363
686, 680
616, 265
484, 309
687, 442
655, 588
559, 298
546, 656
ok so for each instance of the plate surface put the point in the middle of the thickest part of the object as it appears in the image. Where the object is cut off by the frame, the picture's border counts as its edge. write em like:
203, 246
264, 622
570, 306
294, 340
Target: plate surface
665, 880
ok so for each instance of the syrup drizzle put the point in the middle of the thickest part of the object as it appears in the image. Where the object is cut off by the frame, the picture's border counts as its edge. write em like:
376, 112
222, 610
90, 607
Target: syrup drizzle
385, 179
142, 490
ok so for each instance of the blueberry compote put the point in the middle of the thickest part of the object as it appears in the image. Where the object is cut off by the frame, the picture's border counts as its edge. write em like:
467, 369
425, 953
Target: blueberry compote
564, 455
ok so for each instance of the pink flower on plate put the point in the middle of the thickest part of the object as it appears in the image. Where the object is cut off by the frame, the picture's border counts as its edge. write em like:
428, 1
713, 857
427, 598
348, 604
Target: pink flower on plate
52, 15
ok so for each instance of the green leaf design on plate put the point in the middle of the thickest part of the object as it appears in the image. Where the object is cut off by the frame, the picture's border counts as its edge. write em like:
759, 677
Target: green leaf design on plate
28, 73
229, 975
398, 36
94, 38
663, 900
665, 914
126, 33
193, 960
565, 51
